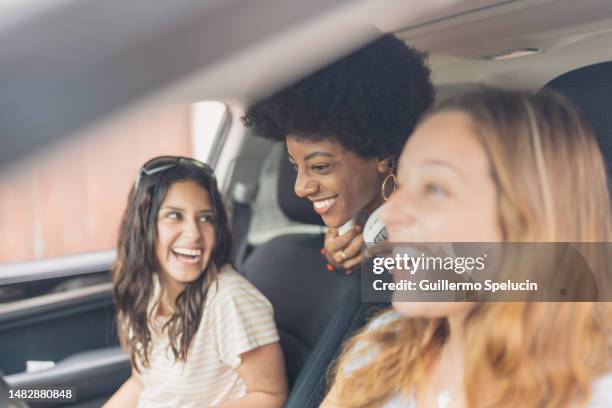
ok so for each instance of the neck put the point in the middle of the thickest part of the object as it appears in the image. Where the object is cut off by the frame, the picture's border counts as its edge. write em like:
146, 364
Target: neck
442, 386
450, 369
170, 292
456, 334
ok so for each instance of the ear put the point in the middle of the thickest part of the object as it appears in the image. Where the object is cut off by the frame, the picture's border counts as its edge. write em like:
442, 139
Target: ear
386, 164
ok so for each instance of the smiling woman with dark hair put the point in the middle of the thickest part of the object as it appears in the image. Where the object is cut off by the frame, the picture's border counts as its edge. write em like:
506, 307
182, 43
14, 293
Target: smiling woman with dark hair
199, 334
344, 127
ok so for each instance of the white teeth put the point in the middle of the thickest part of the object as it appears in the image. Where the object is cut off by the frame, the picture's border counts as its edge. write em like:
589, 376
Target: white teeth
323, 203
187, 251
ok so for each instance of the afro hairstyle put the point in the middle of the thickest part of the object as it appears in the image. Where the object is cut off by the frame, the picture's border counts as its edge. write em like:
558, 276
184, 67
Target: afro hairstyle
369, 101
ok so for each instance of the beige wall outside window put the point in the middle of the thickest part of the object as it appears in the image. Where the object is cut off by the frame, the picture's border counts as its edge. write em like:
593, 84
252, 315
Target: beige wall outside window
69, 199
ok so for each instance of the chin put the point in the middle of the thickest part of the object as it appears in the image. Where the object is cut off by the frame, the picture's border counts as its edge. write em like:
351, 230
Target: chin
331, 221
186, 278
335, 221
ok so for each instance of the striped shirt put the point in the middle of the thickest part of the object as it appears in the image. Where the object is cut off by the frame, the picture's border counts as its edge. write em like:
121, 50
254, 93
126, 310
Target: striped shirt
236, 318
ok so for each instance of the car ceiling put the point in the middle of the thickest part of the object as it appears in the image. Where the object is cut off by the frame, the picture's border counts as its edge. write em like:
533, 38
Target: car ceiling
77, 63
458, 35
240, 51
570, 33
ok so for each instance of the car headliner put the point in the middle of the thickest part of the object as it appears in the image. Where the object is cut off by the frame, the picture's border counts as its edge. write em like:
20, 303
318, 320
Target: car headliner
83, 61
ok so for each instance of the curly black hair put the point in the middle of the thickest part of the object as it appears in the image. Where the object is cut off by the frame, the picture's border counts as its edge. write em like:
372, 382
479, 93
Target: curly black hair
369, 101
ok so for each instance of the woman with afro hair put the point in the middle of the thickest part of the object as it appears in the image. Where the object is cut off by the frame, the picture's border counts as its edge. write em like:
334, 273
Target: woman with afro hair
344, 127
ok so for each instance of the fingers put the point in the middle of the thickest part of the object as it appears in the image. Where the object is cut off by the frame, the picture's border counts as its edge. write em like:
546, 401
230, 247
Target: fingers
331, 233
355, 246
330, 259
335, 242
345, 251
328, 246
354, 253
349, 251
349, 264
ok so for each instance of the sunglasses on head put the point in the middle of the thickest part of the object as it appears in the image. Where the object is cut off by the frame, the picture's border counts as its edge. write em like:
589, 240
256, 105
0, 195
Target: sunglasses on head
163, 163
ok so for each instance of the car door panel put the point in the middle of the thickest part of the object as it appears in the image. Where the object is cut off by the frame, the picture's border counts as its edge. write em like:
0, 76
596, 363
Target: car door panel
75, 330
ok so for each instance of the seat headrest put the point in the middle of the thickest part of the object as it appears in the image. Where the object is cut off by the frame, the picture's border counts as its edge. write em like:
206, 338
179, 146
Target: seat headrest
590, 90
295, 208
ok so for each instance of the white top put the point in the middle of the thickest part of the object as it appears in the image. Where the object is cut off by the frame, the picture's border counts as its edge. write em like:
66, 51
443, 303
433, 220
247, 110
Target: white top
236, 318
601, 389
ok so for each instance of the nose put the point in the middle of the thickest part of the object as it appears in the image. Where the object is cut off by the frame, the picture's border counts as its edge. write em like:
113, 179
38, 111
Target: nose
191, 228
387, 209
304, 185
397, 208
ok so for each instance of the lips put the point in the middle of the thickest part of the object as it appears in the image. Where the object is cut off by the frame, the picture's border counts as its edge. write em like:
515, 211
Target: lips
189, 256
323, 206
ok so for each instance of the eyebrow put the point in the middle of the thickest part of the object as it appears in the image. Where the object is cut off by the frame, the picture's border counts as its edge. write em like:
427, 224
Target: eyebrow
314, 154
208, 210
442, 163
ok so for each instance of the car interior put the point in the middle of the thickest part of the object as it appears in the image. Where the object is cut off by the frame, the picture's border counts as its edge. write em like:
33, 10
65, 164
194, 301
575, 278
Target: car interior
237, 53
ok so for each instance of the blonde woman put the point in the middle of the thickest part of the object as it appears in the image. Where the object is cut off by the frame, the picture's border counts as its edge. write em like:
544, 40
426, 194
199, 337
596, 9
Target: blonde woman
490, 166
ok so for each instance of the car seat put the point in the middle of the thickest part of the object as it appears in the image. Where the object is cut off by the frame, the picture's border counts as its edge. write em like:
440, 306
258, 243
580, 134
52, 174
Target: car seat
315, 310
590, 90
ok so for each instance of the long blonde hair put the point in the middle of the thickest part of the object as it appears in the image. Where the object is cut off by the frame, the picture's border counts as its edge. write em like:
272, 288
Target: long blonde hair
551, 186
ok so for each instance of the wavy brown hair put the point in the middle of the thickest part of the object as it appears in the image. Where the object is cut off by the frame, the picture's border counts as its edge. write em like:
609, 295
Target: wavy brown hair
136, 265
551, 187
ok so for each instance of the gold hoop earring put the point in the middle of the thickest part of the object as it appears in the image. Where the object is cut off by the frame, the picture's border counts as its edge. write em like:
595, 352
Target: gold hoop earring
383, 188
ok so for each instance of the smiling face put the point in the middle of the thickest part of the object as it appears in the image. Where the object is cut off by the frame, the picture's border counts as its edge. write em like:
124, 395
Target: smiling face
445, 194
339, 183
185, 234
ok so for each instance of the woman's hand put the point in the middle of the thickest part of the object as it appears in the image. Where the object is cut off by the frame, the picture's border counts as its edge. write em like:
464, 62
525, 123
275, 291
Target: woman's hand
346, 250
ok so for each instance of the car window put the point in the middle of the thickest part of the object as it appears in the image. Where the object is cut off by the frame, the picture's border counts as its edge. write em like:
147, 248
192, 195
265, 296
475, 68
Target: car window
67, 201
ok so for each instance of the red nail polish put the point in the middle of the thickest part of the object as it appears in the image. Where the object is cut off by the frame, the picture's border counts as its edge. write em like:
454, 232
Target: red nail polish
329, 267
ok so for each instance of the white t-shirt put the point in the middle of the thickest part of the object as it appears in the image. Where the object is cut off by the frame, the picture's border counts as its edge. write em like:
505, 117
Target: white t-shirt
236, 318
601, 389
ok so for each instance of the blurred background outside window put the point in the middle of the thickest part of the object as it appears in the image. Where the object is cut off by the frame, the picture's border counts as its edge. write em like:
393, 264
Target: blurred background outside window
68, 198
